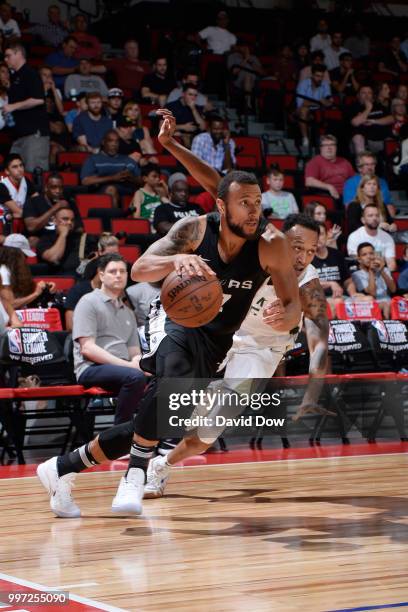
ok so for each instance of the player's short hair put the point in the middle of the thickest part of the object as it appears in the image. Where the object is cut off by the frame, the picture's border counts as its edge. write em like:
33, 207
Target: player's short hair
363, 245
302, 220
105, 260
235, 176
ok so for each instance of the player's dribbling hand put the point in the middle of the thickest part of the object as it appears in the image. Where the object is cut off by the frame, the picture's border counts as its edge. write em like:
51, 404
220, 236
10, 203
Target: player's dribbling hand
168, 126
191, 265
274, 315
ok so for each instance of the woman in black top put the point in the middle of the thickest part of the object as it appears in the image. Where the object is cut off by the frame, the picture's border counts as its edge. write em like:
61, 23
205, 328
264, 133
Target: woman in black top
368, 192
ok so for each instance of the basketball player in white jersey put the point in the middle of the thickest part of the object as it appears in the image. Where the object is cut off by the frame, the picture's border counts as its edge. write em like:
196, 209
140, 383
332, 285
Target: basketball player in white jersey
257, 350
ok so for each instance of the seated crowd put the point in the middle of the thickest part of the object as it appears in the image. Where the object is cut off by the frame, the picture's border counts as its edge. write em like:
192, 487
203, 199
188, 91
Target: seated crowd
82, 125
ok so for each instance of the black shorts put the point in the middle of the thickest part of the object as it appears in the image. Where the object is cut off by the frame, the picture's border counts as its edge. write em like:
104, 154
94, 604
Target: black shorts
182, 353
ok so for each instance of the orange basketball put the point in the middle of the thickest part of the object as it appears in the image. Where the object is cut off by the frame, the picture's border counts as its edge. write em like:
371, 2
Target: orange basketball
191, 301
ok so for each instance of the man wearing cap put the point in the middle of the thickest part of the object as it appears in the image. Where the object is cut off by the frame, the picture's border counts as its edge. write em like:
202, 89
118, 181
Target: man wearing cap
127, 145
85, 80
114, 105
166, 215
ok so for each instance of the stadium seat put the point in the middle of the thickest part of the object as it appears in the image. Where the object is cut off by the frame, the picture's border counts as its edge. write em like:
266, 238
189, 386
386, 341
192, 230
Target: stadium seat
69, 178
246, 161
205, 200
399, 249
326, 200
62, 283
92, 226
72, 158
131, 226
86, 201
402, 224
284, 162
166, 161
250, 146
399, 308
358, 311
129, 253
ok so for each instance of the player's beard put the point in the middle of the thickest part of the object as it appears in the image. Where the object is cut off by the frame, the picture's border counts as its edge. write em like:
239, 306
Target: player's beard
239, 230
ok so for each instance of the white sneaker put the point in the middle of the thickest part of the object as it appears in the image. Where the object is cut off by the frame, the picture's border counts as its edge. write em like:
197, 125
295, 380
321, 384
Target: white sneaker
158, 474
128, 499
59, 488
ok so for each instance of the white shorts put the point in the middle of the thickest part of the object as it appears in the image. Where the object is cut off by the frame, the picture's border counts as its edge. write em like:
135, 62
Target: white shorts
251, 362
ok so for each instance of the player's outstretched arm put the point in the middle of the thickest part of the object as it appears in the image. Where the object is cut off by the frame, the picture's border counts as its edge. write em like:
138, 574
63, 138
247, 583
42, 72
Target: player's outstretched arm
314, 306
276, 259
173, 252
207, 176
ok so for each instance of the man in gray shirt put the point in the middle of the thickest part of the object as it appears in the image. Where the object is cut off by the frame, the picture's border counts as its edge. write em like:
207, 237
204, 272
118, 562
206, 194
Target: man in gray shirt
106, 346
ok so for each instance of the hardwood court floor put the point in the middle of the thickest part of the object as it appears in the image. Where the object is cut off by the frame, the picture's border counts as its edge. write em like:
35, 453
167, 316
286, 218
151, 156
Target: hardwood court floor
316, 535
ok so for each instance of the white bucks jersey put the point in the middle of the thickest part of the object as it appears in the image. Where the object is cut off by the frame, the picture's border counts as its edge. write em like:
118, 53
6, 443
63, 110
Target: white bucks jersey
254, 333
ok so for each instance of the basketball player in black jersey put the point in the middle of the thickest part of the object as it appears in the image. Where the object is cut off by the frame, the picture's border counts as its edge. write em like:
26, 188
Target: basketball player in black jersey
227, 244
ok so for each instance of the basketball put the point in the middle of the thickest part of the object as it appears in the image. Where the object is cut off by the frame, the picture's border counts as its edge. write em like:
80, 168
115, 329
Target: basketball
191, 301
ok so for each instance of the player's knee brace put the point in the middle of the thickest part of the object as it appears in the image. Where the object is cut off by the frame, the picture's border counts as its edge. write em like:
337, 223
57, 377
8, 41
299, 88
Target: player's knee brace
116, 441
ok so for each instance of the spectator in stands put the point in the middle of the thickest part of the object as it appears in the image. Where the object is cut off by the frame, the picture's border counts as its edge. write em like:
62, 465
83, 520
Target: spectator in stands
166, 215
89, 46
190, 76
311, 94
334, 50
81, 107
316, 59
318, 212
402, 92
85, 81
403, 270
60, 247
373, 278
155, 87
322, 39
109, 172
108, 355
245, 68
127, 144
368, 192
399, 115
383, 97
302, 57
343, 79
26, 103
276, 203
8, 26
394, 61
91, 126
8, 316
215, 146
108, 243
370, 232
63, 61
50, 89
39, 210
370, 121
218, 38
53, 32
284, 66
327, 171
59, 136
358, 43
114, 105
17, 284
153, 193
141, 134
4, 76
189, 117
366, 163
15, 189
333, 271
129, 70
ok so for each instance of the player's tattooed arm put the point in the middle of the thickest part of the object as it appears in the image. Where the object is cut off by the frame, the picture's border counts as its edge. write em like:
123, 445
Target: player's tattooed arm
314, 306
173, 252
204, 174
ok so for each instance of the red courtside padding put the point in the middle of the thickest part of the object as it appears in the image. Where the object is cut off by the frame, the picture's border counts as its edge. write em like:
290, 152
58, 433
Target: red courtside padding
45, 318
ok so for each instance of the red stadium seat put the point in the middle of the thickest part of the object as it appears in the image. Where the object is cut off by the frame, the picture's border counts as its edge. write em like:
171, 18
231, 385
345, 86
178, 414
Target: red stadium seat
68, 105
247, 161
166, 161
72, 158
284, 162
399, 249
63, 283
329, 311
399, 308
402, 224
131, 226
93, 226
86, 201
126, 201
358, 311
205, 200
327, 201
251, 146
206, 60
129, 252
391, 147
69, 178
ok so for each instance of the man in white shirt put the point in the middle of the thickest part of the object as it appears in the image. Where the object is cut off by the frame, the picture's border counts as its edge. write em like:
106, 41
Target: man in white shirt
219, 40
382, 242
322, 39
8, 26
334, 50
